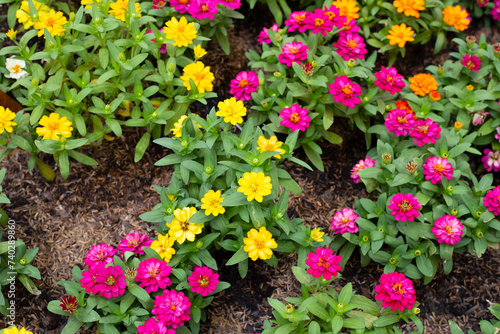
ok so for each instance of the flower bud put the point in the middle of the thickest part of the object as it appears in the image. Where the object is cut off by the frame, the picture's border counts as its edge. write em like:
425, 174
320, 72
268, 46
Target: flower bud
444, 155
411, 167
261, 81
255, 161
458, 126
277, 37
34, 82
351, 62
479, 117
393, 260
479, 234
449, 189
314, 63
435, 96
184, 143
440, 70
470, 88
289, 309
308, 69
169, 211
171, 67
417, 252
121, 56
386, 158
199, 244
209, 170
130, 273
265, 104
454, 212
470, 41
496, 49
22, 262
366, 99
381, 230
277, 74
324, 281
71, 16
415, 310
365, 239
279, 215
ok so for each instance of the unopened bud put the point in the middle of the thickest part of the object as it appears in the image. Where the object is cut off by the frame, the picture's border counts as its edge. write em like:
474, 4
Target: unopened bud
386, 158
454, 212
415, 310
470, 88
393, 260
171, 67
130, 273
22, 262
289, 309
351, 62
365, 239
265, 104
121, 56
470, 41
458, 126
440, 70
169, 211
496, 49
411, 167
184, 143
417, 252
199, 244
277, 74
479, 234
208, 170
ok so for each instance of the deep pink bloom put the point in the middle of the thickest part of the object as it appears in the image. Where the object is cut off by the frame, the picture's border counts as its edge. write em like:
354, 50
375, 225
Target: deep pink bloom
482, 3
297, 21
101, 253
233, 4
362, 164
395, 291
158, 4
404, 207
346, 91
448, 229
497, 136
333, 14
111, 282
295, 118
425, 131
244, 85
435, 168
389, 80
399, 121
172, 307
203, 280
153, 274
180, 5
495, 13
264, 35
134, 242
492, 200
491, 160
69, 304
344, 221
473, 63
88, 281
200, 9
348, 26
152, 326
293, 52
350, 46
318, 22
323, 263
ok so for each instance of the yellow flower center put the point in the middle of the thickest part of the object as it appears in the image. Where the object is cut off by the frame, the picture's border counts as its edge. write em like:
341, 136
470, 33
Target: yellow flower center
423, 129
352, 44
204, 8
389, 79
300, 18
203, 281
344, 220
323, 263
16, 68
330, 15
438, 168
295, 118
293, 50
153, 272
110, 280
50, 22
173, 307
397, 288
183, 1
405, 206
447, 228
319, 22
401, 120
347, 90
470, 65
243, 83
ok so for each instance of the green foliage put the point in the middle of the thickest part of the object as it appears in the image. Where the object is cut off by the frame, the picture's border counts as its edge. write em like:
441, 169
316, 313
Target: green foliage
487, 327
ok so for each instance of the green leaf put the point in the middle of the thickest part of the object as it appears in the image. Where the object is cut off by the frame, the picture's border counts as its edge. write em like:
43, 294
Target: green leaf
346, 294
72, 326
239, 256
318, 310
64, 164
314, 157
386, 320
139, 292
141, 146
424, 265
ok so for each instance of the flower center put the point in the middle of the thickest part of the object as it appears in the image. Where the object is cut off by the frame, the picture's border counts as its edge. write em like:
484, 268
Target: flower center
203, 281
110, 281
397, 288
405, 206
161, 3
331, 15
133, 242
100, 256
344, 220
495, 156
183, 1
259, 244
293, 50
401, 35
50, 22
318, 22
447, 228
16, 68
347, 90
390, 79
352, 44
323, 263
470, 65
401, 120
204, 8
423, 129
243, 83
295, 118
185, 226
173, 307
438, 168
153, 272
300, 18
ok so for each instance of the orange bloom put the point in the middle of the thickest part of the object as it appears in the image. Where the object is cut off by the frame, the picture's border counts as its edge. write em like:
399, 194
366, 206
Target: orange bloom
409, 7
422, 84
400, 34
457, 17
403, 105
347, 8
434, 95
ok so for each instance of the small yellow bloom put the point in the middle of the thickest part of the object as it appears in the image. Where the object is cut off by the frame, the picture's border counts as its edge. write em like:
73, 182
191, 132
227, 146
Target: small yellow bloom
317, 235
470, 88
54, 127
232, 110
422, 84
259, 243
182, 32
199, 52
458, 125
177, 130
164, 247
11, 34
52, 21
120, 7
347, 8
23, 13
456, 17
271, 144
211, 203
255, 186
6, 117
201, 76
400, 34
14, 330
88, 3
180, 228
410, 7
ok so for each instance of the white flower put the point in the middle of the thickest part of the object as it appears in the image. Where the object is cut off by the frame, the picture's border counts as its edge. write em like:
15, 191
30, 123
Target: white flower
15, 67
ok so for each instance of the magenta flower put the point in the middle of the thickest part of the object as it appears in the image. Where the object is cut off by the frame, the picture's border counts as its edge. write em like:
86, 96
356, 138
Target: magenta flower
88, 281
152, 326
333, 14
479, 117
435, 168
233, 4
101, 253
172, 307
350, 46
425, 132
203, 280
495, 13
404, 207
473, 63
399, 121
293, 52
244, 85
295, 118
180, 5
323, 263
348, 26
159, 4
134, 242
362, 164
153, 274
344, 221
111, 282
482, 3
492, 200
497, 136
264, 35
491, 160
448, 229
297, 21
200, 9
395, 291
346, 91
389, 80
318, 22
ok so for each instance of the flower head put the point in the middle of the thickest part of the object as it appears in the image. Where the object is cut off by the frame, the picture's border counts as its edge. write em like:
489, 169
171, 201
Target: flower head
153, 274
350, 46
233, 4
54, 127
244, 85
200, 9
389, 80
159, 4
295, 118
69, 304
88, 281
177, 129
264, 34
362, 164
52, 21
422, 84
479, 117
344, 221
347, 9
203, 280
400, 34
316, 235
435, 168
11, 33
232, 110
164, 247
172, 307
434, 96
345, 91
180, 228
409, 7
201, 76
211, 203
271, 144
199, 52
293, 52
492, 200
14, 330
134, 242
448, 229
396, 291
318, 22
110, 282
152, 326
323, 263
255, 186
101, 253
297, 21
400, 122
403, 105
472, 62
182, 32
404, 207
180, 5
491, 160
120, 8
349, 26
259, 244
425, 131
6, 117
23, 14
456, 17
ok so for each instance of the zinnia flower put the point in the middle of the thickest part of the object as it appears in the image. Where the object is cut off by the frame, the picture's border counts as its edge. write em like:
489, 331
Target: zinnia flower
101, 253
422, 84
164, 247
318, 22
23, 14
52, 21
448, 229
425, 132
15, 67
172, 307
233, 4
350, 46
203, 280
177, 129
180, 5
271, 144
152, 326
264, 34
293, 52
323, 263
88, 281
199, 52
201, 76
244, 85
434, 96
159, 4
295, 118
316, 235
200, 9
258, 244
491, 160
456, 17
14, 330
347, 9
396, 291
389, 80
255, 186
11, 33
332, 13
180, 228
134, 242
6, 117
492, 200
346, 91
399, 121
404, 207
153, 274
349, 26
403, 105
409, 7
297, 21
344, 221
232, 111
119, 8
211, 203
110, 282
68, 304
54, 127
472, 62
435, 168
400, 34
182, 32
362, 164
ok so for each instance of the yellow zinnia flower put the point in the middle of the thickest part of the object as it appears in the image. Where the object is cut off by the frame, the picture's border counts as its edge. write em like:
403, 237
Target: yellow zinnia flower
181, 32
180, 228
88, 3
201, 76
6, 117
11, 34
457, 17
211, 203
232, 110
120, 7
400, 34
317, 235
271, 144
199, 52
23, 13
409, 7
164, 247
14, 330
54, 127
52, 21
422, 84
255, 186
259, 243
347, 8
177, 130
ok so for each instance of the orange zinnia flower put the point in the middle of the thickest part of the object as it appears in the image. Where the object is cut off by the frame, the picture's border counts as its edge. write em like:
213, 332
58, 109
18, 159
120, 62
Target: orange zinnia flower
457, 17
435, 95
409, 7
422, 84
400, 34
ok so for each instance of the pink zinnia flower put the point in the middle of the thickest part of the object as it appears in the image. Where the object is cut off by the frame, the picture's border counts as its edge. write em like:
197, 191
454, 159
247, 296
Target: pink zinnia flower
396, 291
172, 307
348, 26
333, 14
425, 132
88, 281
69, 304
497, 136
297, 21
491, 160
158, 4
362, 164
435, 168
399, 121
495, 13
134, 242
346, 91
318, 22
293, 52
350, 46
448, 229
404, 207
473, 63
203, 280
154, 327
244, 85
111, 282
180, 5
200, 9
482, 3
323, 263
264, 35
153, 274
344, 221
295, 118
492, 200
233, 4
101, 253
389, 80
